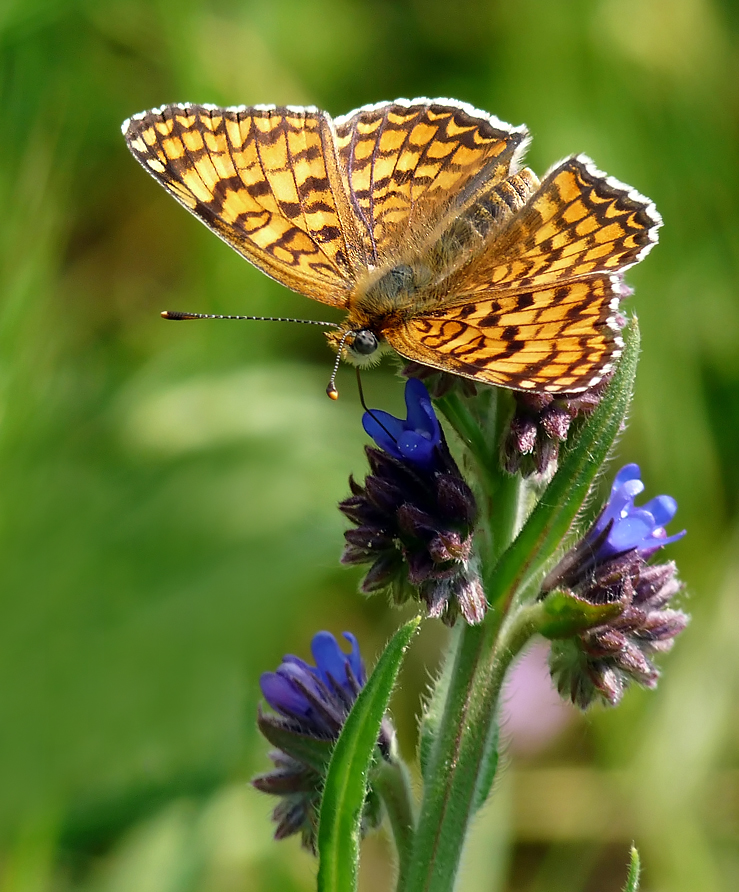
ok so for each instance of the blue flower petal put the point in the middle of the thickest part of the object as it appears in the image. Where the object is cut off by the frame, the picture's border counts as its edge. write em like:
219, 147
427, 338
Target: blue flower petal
355, 658
330, 658
421, 416
282, 696
628, 472
414, 439
631, 531
641, 528
385, 429
662, 508
416, 448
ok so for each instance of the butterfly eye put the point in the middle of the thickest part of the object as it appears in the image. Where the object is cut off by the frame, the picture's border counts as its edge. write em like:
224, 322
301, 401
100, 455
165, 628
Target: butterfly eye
365, 342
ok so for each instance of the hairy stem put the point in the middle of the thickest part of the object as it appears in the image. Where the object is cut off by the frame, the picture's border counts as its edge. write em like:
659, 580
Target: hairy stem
393, 784
462, 743
458, 755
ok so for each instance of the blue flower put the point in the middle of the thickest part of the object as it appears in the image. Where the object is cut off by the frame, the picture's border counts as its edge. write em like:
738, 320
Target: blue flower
609, 566
317, 698
411, 440
312, 703
631, 527
415, 515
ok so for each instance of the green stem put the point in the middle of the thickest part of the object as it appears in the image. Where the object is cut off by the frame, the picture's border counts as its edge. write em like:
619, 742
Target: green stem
468, 428
458, 755
393, 784
462, 740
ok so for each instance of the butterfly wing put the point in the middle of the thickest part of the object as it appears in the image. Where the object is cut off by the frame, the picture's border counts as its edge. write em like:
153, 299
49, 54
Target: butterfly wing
579, 222
561, 339
409, 163
266, 180
538, 308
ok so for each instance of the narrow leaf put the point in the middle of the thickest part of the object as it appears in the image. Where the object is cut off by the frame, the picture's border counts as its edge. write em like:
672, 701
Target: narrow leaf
632, 880
554, 513
488, 766
346, 783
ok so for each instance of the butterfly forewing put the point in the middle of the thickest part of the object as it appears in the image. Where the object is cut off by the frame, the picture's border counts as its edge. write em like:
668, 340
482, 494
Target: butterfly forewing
266, 180
407, 164
563, 338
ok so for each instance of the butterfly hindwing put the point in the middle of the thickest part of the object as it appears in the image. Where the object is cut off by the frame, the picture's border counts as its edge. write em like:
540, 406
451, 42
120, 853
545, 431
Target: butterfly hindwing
560, 338
578, 223
266, 180
407, 163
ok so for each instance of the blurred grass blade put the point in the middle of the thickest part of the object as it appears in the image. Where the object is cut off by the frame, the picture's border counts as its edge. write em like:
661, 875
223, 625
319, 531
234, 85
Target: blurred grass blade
554, 513
632, 881
346, 782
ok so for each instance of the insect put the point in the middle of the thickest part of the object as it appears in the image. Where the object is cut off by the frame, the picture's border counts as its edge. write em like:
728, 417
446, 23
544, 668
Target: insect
417, 218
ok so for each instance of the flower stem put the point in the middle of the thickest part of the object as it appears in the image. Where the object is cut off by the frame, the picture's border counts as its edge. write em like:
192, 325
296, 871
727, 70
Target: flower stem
458, 414
393, 784
457, 771
458, 755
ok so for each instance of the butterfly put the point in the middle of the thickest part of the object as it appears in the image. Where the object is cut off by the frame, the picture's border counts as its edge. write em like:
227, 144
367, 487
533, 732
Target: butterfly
418, 219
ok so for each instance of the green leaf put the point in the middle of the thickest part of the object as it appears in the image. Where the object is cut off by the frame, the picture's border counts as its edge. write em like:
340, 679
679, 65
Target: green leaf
564, 614
632, 881
551, 519
488, 767
346, 783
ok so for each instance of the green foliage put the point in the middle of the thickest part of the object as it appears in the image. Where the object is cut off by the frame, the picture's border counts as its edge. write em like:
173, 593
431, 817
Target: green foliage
552, 518
565, 614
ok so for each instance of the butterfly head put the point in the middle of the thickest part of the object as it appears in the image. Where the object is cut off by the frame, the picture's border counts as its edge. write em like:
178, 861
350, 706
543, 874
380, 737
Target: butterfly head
359, 346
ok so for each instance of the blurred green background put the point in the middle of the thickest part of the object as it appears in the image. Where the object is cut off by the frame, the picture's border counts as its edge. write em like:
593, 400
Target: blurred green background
167, 492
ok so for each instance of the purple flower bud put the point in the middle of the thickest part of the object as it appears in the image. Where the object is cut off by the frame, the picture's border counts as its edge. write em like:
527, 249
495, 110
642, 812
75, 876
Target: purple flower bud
541, 423
415, 515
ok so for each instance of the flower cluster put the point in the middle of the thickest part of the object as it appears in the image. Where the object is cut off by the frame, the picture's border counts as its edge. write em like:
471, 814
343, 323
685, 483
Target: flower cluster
311, 704
541, 423
609, 566
415, 515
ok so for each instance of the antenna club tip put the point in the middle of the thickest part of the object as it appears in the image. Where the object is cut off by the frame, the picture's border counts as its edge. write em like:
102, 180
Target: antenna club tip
331, 391
177, 315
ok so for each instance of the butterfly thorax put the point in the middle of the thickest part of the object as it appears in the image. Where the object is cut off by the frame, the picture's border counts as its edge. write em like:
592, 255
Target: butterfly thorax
423, 283
384, 298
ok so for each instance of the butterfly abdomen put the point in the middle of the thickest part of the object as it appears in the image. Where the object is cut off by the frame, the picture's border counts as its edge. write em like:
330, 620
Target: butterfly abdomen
478, 221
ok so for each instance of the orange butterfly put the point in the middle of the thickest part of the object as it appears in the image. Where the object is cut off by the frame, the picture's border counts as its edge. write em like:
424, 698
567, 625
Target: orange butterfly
417, 218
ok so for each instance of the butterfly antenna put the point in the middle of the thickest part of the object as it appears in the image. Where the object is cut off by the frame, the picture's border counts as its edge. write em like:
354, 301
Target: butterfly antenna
369, 411
331, 390
177, 316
